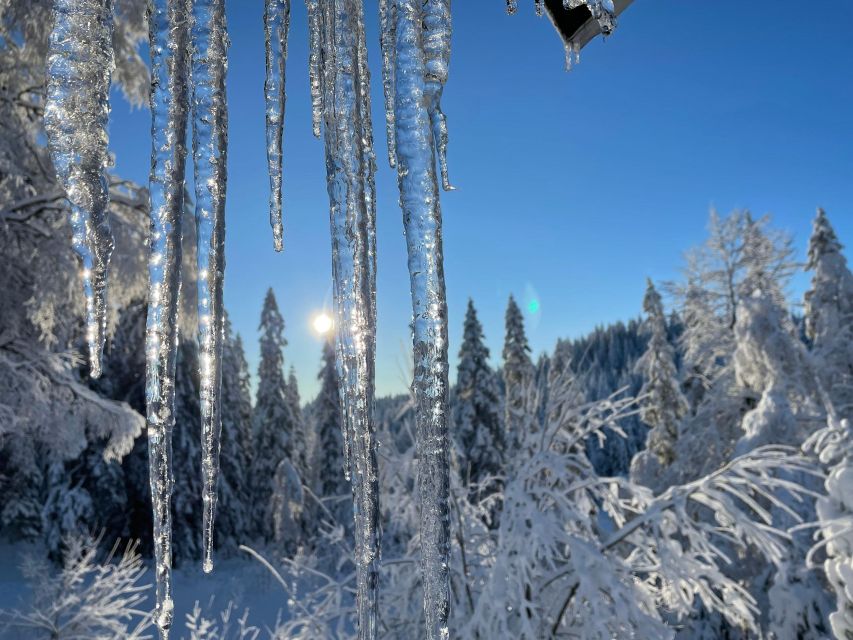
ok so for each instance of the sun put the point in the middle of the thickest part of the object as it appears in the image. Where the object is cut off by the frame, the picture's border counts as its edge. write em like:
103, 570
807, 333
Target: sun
322, 323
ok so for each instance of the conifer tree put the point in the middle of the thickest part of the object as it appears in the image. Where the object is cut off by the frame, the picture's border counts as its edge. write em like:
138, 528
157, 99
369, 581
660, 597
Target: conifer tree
829, 314
476, 411
300, 441
233, 523
273, 419
663, 404
328, 452
517, 373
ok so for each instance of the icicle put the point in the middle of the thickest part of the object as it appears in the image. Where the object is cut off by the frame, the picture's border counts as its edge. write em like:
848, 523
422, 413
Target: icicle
169, 101
276, 28
386, 40
573, 54
80, 61
511, 6
350, 164
419, 198
314, 39
540, 7
436, 49
210, 140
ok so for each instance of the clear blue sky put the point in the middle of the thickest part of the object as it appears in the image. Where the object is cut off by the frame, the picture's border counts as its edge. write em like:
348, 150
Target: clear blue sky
572, 188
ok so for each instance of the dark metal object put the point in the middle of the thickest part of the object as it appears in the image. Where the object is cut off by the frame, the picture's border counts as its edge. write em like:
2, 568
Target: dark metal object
577, 26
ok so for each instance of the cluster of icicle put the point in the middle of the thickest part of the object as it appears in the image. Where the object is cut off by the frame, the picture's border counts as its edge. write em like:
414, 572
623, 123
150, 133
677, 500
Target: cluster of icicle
415, 40
188, 45
602, 12
188, 48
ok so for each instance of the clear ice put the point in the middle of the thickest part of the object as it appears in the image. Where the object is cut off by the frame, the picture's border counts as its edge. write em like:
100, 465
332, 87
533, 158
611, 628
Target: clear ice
77, 107
422, 48
350, 162
169, 101
276, 29
210, 140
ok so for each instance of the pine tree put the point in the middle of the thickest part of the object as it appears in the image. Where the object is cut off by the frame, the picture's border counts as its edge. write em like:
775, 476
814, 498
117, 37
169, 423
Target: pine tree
829, 314
476, 410
186, 456
517, 373
273, 419
662, 404
328, 453
233, 522
300, 441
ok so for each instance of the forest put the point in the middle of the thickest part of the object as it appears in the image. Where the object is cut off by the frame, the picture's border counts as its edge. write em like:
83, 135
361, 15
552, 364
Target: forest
685, 474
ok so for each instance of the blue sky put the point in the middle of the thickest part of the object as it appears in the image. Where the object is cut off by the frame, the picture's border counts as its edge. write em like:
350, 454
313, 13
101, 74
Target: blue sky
572, 188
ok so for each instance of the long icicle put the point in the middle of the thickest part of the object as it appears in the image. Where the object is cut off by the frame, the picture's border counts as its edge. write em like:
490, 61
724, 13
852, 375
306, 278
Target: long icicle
210, 142
314, 55
350, 166
77, 107
387, 20
436, 46
419, 199
169, 101
276, 29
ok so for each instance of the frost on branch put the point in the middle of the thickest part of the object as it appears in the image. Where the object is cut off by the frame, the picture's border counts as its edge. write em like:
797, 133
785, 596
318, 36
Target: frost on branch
79, 63
87, 598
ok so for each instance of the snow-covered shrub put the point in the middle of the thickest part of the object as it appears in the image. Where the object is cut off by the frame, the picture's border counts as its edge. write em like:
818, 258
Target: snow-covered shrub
88, 598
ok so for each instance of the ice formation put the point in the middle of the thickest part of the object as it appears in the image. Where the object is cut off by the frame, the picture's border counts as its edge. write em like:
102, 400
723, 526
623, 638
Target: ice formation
276, 29
209, 38
77, 107
169, 101
421, 52
188, 42
337, 30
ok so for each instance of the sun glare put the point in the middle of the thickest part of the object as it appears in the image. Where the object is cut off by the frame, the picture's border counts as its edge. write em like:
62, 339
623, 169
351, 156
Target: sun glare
322, 323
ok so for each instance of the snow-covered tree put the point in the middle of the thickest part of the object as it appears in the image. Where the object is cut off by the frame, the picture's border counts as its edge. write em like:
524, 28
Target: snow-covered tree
87, 598
517, 373
834, 446
330, 481
186, 456
301, 442
477, 426
739, 254
233, 518
662, 403
287, 505
273, 419
829, 314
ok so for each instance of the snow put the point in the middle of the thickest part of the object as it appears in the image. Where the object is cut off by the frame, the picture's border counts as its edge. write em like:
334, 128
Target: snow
77, 107
240, 582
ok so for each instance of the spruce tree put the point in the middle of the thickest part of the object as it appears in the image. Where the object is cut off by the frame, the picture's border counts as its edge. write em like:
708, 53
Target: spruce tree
829, 314
328, 454
663, 404
233, 522
273, 419
476, 411
300, 439
517, 374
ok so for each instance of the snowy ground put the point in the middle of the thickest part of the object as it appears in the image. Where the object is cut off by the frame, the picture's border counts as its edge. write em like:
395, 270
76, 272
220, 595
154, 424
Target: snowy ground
241, 581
